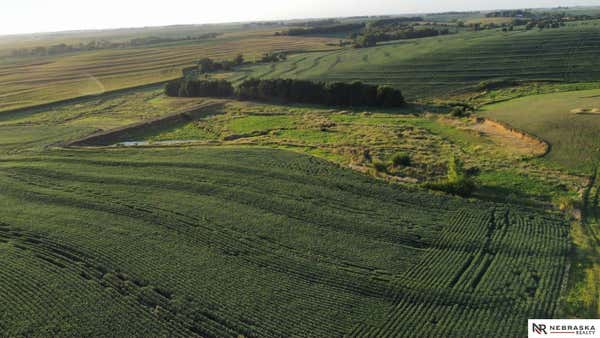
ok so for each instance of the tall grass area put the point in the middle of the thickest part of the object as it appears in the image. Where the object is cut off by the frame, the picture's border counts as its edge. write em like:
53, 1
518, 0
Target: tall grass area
450, 64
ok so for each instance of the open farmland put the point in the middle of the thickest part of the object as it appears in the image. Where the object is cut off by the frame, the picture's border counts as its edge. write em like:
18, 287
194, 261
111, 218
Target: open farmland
424, 68
182, 241
28, 82
211, 206
570, 121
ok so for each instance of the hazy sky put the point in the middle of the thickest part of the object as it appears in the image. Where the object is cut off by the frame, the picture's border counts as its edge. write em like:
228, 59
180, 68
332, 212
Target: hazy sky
24, 16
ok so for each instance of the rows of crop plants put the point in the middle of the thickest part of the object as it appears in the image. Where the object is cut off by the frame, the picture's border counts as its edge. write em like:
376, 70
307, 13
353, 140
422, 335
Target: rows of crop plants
481, 281
32, 81
257, 242
448, 64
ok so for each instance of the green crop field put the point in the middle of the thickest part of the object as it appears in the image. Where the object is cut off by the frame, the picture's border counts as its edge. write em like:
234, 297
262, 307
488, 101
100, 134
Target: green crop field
228, 241
125, 212
180, 240
570, 121
424, 68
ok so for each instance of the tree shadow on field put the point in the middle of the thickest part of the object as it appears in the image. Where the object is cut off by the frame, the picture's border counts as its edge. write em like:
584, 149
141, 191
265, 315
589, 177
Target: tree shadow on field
510, 196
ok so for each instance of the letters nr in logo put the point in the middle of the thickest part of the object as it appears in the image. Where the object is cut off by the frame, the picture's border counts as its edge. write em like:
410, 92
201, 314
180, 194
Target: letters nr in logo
539, 328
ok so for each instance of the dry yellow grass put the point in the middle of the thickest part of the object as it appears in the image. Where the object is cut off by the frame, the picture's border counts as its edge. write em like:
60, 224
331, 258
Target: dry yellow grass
32, 82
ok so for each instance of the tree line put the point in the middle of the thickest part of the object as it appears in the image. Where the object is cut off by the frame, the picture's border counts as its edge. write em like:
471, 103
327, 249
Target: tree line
207, 65
394, 21
199, 88
371, 38
397, 29
511, 13
291, 91
63, 48
339, 28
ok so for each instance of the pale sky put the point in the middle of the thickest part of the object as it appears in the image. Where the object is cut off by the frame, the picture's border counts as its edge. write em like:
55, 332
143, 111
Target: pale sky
27, 16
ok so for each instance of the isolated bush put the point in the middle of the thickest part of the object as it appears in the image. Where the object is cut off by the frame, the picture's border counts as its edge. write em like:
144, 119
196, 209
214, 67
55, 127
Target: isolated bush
459, 112
380, 166
401, 159
458, 181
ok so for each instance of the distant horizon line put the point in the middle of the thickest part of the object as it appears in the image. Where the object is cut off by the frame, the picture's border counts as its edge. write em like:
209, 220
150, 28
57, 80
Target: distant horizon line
83, 30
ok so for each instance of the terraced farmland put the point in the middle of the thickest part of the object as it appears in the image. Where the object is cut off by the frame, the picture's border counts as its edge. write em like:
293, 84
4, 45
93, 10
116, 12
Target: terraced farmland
228, 241
29, 82
446, 65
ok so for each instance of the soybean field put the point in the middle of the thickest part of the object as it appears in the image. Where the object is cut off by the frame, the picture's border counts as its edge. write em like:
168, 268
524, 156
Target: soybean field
235, 241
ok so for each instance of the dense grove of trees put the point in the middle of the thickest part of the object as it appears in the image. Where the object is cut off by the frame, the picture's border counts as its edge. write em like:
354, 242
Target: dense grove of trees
339, 28
335, 93
199, 88
288, 90
102, 44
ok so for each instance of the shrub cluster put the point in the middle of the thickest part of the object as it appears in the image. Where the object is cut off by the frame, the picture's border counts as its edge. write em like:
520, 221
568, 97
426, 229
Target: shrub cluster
401, 159
273, 57
335, 93
208, 65
458, 182
199, 88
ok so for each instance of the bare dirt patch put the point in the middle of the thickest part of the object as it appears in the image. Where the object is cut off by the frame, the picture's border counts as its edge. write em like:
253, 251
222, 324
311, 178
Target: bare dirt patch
586, 111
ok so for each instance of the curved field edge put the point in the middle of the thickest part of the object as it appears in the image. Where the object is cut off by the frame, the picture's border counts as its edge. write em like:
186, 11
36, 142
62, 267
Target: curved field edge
556, 118
258, 242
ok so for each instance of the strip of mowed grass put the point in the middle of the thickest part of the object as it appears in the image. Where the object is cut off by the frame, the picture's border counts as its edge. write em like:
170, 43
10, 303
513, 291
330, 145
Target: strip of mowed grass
36, 128
29, 82
570, 121
448, 64
259, 242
